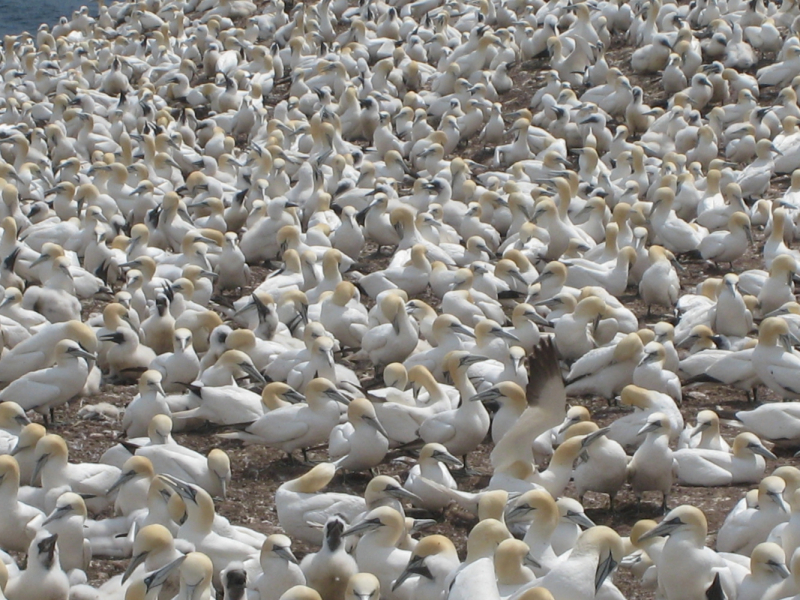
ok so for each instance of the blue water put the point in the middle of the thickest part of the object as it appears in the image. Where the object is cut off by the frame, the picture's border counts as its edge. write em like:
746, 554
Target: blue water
26, 15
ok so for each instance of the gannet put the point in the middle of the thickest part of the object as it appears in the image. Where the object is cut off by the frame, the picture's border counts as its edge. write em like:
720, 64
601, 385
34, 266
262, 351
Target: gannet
212, 473
685, 555
301, 504
708, 428
653, 466
38, 351
743, 464
43, 575
58, 475
298, 426
546, 408
431, 466
460, 430
279, 568
644, 402
604, 467
16, 529
433, 559
767, 570
45, 389
774, 366
537, 509
329, 570
650, 373
361, 443
197, 529
150, 402
596, 554
606, 370
742, 532
67, 522
377, 551
477, 574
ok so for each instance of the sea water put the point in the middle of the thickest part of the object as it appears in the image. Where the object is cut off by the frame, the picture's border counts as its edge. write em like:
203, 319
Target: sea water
26, 15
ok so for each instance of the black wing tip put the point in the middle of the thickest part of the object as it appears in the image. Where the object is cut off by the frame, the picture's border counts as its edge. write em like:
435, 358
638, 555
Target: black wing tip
715, 591
544, 358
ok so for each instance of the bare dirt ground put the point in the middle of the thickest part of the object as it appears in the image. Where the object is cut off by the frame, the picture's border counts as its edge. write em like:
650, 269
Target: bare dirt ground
258, 471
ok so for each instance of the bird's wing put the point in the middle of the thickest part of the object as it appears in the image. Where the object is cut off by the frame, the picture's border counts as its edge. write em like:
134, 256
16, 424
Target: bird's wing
30, 392
437, 429
547, 402
279, 428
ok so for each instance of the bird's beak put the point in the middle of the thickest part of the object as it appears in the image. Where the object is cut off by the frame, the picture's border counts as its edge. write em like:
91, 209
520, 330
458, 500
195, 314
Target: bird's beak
135, 562
158, 578
285, 553
362, 527
121, 480
662, 529
604, 569
58, 513
760, 449
376, 425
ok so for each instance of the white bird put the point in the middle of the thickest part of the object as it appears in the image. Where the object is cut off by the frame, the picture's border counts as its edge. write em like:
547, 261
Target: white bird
431, 467
302, 506
742, 532
361, 443
43, 575
743, 464
299, 426
686, 556
460, 430
329, 570
587, 568
653, 467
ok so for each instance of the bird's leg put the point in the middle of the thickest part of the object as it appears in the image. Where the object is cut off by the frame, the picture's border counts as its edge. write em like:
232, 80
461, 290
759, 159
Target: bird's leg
466, 470
664, 508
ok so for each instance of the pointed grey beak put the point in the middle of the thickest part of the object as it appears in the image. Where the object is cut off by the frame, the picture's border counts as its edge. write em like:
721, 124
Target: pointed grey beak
135, 562
649, 427
376, 425
58, 513
253, 372
604, 569
448, 459
362, 527
38, 466
285, 553
580, 519
759, 449
402, 493
779, 568
662, 529
121, 480
157, 578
